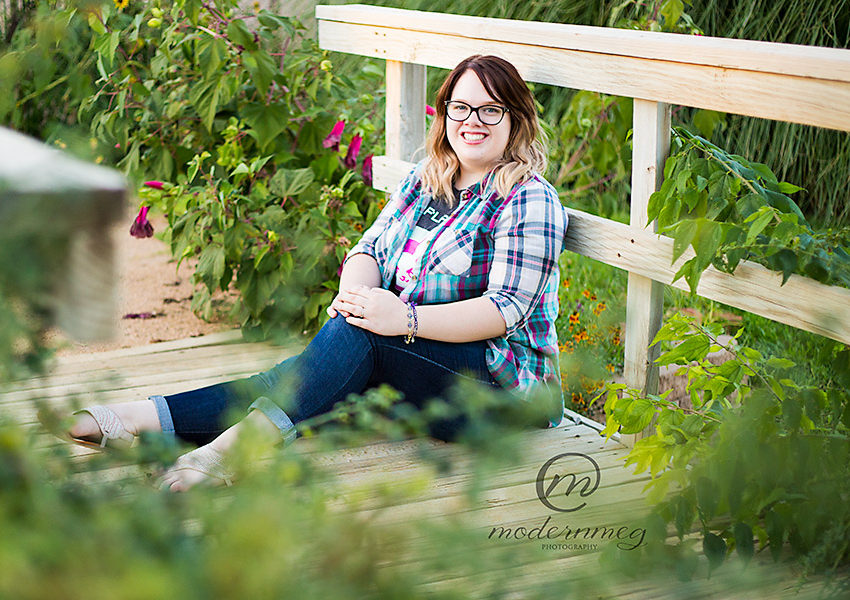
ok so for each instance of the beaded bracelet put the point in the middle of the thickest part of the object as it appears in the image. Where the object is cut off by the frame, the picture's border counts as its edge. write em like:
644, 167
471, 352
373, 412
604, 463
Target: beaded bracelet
412, 323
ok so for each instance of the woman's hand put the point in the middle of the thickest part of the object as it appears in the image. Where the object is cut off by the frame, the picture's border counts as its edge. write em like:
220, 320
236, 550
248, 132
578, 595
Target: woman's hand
374, 309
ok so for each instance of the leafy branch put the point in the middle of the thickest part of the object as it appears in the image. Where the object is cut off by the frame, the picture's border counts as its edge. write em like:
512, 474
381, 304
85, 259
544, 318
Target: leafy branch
729, 209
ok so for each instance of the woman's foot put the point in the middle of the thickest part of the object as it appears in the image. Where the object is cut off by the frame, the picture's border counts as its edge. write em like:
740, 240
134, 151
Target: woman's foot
201, 466
208, 464
115, 422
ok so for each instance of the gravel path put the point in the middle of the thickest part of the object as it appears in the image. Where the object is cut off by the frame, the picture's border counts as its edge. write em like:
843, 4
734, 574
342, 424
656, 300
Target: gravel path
151, 288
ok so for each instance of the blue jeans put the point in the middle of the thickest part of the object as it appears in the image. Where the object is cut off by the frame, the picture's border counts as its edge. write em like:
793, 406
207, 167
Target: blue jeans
340, 360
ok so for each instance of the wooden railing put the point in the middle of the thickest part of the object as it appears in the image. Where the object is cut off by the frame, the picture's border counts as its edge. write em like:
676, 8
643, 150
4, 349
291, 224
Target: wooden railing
798, 84
45, 194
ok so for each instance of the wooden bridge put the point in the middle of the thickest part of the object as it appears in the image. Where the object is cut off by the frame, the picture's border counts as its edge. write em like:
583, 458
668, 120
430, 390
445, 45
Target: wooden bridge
775, 81
506, 512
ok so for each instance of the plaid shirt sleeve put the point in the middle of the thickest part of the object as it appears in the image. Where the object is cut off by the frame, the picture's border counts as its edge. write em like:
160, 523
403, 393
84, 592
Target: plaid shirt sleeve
528, 238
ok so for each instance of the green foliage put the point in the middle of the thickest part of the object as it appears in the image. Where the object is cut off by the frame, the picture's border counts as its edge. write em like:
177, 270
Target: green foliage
232, 117
757, 461
589, 152
730, 209
46, 70
298, 523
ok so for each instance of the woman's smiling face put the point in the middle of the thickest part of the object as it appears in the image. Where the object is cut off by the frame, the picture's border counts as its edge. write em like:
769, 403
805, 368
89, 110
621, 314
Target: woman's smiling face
478, 146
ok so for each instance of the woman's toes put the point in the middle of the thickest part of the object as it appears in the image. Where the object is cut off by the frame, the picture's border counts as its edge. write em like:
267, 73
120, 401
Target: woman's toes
85, 427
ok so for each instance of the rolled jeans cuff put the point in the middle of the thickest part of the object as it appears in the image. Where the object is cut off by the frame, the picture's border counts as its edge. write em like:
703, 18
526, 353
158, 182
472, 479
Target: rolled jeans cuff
164, 413
276, 415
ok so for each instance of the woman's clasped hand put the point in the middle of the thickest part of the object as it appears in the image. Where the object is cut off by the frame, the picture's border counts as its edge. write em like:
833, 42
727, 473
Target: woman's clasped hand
374, 309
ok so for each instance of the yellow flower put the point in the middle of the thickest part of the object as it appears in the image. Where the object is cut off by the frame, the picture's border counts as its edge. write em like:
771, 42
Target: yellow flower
121, 4
574, 318
566, 282
599, 308
610, 368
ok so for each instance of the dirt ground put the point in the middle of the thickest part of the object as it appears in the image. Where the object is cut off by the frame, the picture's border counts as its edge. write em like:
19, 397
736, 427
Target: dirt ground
155, 297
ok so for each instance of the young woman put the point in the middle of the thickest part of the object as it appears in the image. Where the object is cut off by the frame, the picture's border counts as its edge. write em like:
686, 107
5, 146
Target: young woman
457, 277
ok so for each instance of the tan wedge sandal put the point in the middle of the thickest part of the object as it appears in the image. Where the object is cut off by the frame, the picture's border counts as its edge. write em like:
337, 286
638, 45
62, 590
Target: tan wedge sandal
209, 462
113, 432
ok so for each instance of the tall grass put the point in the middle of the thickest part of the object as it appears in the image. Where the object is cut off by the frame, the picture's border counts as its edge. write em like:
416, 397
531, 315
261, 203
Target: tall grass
817, 159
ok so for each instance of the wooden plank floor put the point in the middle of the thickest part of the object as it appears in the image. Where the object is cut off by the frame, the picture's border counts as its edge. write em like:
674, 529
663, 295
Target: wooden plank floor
508, 502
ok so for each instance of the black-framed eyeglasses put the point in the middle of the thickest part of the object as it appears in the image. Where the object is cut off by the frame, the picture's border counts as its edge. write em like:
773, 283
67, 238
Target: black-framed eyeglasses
489, 114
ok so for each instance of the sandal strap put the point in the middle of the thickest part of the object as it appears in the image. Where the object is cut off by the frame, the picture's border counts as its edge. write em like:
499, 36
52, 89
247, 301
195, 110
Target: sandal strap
110, 424
208, 461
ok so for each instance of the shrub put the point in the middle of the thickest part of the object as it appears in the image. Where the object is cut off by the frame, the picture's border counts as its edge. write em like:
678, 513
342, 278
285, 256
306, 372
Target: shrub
240, 121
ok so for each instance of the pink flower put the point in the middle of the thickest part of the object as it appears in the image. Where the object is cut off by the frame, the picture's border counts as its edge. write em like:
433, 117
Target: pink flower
141, 227
367, 170
332, 141
353, 150
429, 110
157, 185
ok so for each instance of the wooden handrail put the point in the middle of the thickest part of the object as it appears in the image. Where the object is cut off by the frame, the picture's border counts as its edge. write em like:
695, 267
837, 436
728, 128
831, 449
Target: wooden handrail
46, 193
784, 82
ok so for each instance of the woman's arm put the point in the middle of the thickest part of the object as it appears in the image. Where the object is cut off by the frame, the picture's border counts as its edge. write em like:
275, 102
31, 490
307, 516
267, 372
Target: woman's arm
358, 270
382, 312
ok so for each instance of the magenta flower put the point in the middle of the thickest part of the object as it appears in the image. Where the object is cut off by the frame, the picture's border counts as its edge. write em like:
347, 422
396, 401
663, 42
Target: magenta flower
157, 185
353, 150
332, 141
429, 110
367, 170
141, 227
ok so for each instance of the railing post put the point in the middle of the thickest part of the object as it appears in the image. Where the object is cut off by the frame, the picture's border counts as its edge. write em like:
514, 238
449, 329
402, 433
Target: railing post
644, 304
405, 119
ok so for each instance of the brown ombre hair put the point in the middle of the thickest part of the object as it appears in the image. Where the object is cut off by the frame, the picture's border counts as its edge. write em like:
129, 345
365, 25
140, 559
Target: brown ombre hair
526, 150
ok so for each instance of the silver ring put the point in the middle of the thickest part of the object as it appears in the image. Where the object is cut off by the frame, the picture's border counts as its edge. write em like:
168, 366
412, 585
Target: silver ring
362, 312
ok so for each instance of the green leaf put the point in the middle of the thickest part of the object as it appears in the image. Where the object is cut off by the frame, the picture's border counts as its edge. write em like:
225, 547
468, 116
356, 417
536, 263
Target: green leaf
205, 98
672, 11
241, 168
695, 348
211, 265
259, 256
708, 238
96, 24
105, 46
239, 34
706, 121
261, 67
744, 541
785, 261
290, 182
779, 363
272, 21
683, 236
789, 188
714, 548
759, 222
266, 122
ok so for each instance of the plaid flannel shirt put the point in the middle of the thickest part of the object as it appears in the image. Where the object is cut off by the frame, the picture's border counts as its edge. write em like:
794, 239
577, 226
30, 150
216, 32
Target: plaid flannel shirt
505, 249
